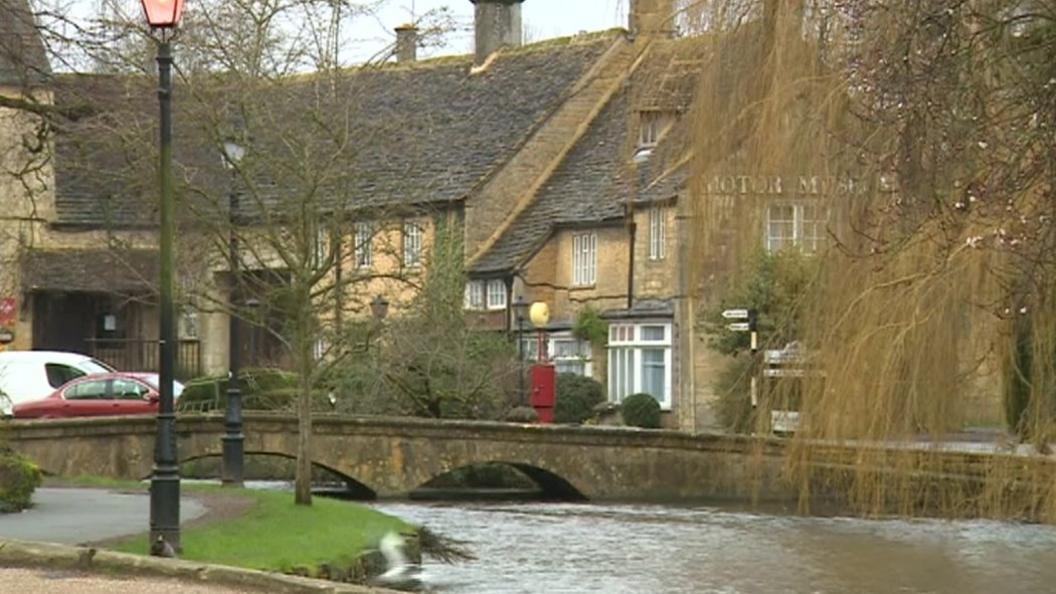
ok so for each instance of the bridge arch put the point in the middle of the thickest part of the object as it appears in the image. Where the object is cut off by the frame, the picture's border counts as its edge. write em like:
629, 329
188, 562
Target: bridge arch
355, 489
551, 485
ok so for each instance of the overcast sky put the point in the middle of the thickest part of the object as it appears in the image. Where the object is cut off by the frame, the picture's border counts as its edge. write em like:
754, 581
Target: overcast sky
543, 18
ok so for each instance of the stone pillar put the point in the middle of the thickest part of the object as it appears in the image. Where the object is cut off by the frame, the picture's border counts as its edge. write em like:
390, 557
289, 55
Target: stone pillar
496, 24
406, 44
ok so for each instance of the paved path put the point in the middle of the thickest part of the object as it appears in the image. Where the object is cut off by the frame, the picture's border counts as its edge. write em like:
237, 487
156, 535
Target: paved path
74, 516
64, 582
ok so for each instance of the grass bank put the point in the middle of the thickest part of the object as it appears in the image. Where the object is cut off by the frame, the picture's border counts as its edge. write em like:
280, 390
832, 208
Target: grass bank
268, 532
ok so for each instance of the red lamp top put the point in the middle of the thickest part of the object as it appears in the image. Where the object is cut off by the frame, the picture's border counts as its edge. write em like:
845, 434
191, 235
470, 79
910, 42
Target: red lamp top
163, 14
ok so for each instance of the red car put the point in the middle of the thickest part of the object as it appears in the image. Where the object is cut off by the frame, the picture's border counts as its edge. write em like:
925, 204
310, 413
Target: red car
105, 394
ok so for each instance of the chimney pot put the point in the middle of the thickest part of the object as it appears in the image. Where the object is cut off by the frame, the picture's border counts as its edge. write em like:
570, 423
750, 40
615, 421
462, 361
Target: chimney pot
497, 24
406, 44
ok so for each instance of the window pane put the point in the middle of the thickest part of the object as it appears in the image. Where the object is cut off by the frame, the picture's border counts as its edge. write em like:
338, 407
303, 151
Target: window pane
654, 372
496, 294
60, 374
128, 390
87, 391
653, 333
576, 367
412, 244
364, 248
781, 226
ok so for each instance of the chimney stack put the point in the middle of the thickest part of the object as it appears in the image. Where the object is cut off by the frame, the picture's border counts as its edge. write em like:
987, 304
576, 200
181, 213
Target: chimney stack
406, 44
497, 24
650, 18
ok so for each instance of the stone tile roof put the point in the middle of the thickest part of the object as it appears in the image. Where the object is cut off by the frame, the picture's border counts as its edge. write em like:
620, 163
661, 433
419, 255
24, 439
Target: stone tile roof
586, 188
590, 187
93, 271
432, 132
23, 61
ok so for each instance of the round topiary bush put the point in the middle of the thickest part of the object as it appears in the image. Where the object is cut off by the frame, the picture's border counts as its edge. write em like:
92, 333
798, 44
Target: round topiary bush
18, 479
576, 398
641, 410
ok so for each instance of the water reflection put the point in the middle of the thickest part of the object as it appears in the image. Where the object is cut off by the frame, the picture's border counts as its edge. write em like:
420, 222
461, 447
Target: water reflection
572, 548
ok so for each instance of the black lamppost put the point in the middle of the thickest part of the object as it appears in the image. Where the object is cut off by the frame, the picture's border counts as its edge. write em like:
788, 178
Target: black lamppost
163, 16
520, 313
233, 440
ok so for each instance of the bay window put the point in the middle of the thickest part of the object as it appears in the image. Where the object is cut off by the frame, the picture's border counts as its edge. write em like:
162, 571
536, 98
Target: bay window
640, 361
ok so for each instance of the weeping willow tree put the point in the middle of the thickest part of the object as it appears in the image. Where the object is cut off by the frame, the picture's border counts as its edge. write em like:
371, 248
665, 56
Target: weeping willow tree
911, 148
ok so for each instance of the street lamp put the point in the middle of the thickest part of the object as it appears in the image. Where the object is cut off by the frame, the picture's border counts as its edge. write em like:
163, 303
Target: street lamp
379, 308
540, 315
163, 16
520, 312
231, 470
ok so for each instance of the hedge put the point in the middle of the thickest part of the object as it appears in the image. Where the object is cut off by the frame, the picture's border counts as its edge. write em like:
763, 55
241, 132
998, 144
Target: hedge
18, 479
262, 389
576, 398
641, 410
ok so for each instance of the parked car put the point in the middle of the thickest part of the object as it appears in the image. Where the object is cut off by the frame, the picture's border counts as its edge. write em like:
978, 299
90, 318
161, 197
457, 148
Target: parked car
99, 395
30, 375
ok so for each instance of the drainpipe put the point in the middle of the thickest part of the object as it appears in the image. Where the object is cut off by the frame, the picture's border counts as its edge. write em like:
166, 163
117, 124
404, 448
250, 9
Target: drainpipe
632, 232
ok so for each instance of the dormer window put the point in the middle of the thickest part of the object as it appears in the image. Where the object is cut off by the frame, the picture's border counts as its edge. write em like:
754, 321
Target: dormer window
651, 125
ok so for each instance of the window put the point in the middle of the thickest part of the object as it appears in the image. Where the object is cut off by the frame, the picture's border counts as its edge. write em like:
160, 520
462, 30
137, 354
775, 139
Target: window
95, 390
570, 355
58, 374
322, 248
584, 259
657, 233
567, 353
795, 225
650, 127
126, 389
496, 294
640, 361
474, 295
363, 238
412, 244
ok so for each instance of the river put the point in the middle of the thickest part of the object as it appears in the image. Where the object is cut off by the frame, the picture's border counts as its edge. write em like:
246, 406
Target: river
645, 549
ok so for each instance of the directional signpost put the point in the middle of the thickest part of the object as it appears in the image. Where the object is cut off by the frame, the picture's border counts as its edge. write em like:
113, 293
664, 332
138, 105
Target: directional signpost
750, 325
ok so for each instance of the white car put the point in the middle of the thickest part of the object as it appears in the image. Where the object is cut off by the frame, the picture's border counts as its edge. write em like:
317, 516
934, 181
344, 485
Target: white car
31, 375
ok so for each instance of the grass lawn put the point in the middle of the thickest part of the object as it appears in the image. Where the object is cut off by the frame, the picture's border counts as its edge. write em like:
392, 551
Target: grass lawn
273, 534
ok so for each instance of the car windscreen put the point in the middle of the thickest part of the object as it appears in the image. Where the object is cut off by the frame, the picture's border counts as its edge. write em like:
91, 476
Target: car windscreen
153, 380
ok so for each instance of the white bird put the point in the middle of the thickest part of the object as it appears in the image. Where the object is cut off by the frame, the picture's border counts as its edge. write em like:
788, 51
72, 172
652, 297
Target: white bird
400, 569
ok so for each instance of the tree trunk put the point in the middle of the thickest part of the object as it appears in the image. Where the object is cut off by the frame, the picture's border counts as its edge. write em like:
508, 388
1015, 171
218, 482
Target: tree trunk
303, 474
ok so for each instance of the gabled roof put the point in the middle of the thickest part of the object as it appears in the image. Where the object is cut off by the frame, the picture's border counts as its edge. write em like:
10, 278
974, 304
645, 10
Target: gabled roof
23, 61
591, 186
429, 132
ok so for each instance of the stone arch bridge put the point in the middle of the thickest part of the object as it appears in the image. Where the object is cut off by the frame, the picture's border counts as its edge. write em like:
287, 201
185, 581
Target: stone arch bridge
391, 457
394, 456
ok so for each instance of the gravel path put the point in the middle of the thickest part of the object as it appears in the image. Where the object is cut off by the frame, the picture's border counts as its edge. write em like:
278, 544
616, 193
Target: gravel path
32, 581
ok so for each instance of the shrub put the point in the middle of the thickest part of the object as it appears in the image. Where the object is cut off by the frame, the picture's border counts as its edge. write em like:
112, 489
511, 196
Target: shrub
262, 389
18, 479
641, 410
576, 398
733, 407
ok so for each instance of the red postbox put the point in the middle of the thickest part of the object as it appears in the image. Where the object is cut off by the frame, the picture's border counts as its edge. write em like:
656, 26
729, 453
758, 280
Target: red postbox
544, 391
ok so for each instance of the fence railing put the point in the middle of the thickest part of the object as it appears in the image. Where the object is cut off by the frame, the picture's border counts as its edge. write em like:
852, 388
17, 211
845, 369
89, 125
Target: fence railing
135, 354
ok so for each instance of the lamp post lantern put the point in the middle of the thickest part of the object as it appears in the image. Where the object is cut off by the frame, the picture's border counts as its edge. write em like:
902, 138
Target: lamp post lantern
163, 16
520, 312
233, 440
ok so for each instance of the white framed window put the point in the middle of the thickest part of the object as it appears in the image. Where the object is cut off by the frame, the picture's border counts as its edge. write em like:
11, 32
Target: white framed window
640, 361
584, 259
364, 245
412, 244
496, 294
657, 233
321, 247
790, 224
474, 295
568, 353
